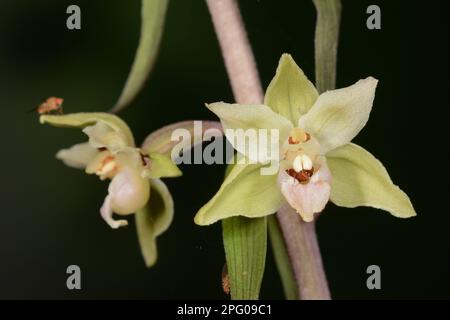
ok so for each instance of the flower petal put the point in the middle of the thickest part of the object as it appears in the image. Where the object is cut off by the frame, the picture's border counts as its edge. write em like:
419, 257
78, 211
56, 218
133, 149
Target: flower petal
244, 192
77, 156
153, 219
101, 135
84, 119
359, 179
310, 198
338, 115
127, 193
161, 166
290, 93
247, 120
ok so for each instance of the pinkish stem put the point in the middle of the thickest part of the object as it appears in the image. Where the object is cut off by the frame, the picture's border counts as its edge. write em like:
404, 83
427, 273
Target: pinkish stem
236, 51
303, 250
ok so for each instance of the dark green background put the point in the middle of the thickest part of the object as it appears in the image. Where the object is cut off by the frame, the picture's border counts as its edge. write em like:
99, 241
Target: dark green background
50, 213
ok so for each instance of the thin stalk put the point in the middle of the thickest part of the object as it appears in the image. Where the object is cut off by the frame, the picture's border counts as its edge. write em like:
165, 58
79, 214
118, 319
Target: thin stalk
236, 51
304, 254
282, 261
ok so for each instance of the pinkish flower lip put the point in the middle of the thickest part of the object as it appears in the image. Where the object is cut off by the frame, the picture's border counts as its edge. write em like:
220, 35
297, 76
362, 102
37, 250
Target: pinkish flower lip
309, 196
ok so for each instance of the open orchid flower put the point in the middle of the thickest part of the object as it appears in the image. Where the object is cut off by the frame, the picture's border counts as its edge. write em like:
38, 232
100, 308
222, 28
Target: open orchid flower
317, 161
135, 174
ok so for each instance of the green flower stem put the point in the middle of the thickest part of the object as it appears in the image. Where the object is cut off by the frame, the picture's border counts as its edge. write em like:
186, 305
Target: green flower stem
303, 251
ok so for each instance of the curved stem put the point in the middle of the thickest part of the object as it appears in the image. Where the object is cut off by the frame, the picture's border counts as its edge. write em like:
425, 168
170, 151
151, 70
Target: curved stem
161, 140
300, 237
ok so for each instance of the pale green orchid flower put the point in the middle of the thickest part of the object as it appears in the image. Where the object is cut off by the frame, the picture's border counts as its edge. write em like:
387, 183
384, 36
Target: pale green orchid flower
317, 162
135, 174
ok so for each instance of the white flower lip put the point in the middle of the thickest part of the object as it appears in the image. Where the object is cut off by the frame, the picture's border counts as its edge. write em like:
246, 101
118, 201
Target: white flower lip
307, 198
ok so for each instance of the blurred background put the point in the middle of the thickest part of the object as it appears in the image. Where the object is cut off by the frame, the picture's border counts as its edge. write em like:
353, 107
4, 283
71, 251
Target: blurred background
50, 213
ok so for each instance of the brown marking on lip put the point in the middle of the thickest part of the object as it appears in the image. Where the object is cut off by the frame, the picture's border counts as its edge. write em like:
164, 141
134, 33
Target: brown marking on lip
303, 176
